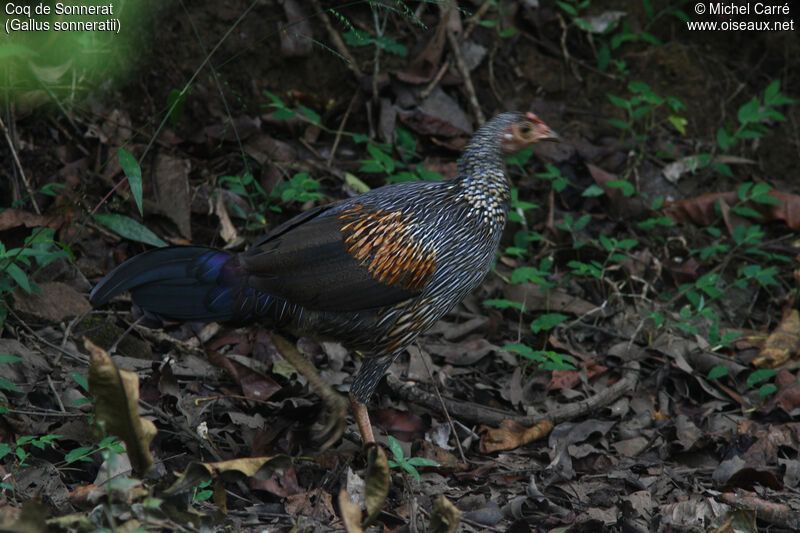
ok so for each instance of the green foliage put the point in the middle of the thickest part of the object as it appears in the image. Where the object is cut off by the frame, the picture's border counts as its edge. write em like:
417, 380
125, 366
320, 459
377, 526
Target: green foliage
175, 101
752, 115
201, 492
358, 38
38, 247
502, 9
125, 226
409, 464
718, 372
21, 453
544, 359
84, 453
284, 112
133, 172
300, 188
643, 111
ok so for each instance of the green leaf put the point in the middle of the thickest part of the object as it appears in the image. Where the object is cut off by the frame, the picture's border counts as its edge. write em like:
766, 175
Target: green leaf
397, 450
547, 321
679, 123
7, 385
748, 112
133, 172
603, 58
80, 380
19, 277
650, 38
746, 212
717, 372
391, 46
411, 470
624, 186
568, 9
592, 191
619, 124
502, 303
723, 139
619, 102
129, 228
312, 115
8, 358
79, 454
760, 375
772, 91
421, 461
354, 183
283, 114
648, 8
722, 168
766, 390
175, 101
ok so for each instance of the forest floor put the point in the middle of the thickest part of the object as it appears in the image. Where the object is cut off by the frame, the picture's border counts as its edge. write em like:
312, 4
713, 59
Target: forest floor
630, 364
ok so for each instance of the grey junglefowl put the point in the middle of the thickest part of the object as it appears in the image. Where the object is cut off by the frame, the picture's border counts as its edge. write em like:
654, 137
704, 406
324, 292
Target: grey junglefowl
373, 271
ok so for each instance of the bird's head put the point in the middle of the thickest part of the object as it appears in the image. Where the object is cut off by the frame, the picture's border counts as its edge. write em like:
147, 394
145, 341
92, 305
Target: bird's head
523, 131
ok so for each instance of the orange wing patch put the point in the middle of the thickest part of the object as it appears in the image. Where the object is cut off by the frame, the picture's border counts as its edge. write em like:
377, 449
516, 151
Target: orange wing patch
382, 242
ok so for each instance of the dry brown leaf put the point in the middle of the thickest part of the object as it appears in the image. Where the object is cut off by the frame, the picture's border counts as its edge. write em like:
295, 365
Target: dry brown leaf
57, 302
782, 344
700, 209
117, 406
445, 517
552, 300
317, 503
511, 434
568, 379
376, 481
351, 513
172, 185
229, 471
13, 218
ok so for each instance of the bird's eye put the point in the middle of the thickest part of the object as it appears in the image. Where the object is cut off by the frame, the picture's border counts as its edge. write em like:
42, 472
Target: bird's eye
525, 129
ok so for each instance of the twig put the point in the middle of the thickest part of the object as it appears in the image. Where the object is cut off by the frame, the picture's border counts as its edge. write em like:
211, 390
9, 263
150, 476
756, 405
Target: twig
564, 50
480, 414
435, 81
19, 166
464, 70
472, 23
55, 394
336, 38
444, 407
341, 128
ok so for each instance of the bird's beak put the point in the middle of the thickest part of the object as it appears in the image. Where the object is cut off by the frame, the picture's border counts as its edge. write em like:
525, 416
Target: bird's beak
551, 136
543, 131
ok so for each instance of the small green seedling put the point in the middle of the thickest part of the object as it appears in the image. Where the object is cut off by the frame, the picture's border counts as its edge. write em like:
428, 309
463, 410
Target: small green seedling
409, 464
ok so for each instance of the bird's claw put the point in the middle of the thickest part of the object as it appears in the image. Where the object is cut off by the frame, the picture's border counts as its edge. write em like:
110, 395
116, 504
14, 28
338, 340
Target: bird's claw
336, 412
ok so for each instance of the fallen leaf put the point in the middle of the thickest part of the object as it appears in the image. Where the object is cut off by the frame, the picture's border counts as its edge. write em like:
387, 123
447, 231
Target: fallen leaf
782, 344
57, 302
229, 471
117, 406
511, 434
376, 480
350, 512
445, 517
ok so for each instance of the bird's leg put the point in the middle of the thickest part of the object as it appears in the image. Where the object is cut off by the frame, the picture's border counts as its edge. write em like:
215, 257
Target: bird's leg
362, 419
332, 400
